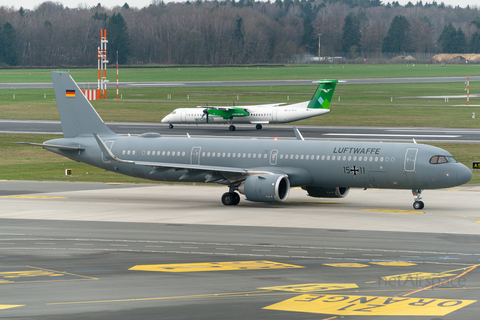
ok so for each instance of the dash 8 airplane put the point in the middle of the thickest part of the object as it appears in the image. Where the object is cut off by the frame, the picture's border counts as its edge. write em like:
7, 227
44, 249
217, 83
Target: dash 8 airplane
259, 114
263, 170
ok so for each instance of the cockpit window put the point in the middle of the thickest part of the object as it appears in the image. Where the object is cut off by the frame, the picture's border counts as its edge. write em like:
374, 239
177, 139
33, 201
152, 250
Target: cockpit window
442, 159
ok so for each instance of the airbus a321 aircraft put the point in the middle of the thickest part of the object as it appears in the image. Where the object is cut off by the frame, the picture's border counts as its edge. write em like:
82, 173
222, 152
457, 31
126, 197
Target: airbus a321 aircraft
263, 170
260, 114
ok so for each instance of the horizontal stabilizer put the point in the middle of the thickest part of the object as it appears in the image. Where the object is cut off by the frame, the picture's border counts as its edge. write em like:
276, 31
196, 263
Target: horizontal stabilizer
52, 146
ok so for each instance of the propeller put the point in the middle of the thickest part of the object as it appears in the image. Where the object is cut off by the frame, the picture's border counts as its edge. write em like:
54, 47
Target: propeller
205, 113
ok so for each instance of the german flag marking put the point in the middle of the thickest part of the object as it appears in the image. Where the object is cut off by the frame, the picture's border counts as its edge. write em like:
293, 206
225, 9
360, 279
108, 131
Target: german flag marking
70, 93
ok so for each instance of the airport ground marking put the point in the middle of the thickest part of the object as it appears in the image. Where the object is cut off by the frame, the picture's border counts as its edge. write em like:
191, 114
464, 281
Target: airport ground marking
346, 265
32, 197
394, 211
437, 284
8, 306
344, 305
312, 287
198, 296
22, 274
394, 263
215, 266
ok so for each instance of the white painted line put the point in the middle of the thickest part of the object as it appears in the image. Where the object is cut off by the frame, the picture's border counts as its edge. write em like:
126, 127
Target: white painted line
391, 135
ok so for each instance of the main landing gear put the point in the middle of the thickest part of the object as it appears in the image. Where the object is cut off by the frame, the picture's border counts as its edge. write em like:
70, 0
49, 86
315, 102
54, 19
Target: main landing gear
231, 128
258, 126
170, 126
230, 198
417, 205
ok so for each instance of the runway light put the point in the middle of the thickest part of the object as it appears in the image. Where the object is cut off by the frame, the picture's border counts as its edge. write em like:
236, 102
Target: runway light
275, 139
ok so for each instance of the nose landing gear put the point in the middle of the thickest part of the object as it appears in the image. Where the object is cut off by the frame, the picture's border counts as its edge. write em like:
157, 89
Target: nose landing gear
417, 205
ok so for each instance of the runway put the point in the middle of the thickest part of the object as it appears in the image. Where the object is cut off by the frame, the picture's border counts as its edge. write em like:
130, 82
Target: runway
268, 131
249, 83
123, 251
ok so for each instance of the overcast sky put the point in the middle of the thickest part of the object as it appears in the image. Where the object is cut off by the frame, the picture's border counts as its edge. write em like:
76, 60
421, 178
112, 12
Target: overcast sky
31, 4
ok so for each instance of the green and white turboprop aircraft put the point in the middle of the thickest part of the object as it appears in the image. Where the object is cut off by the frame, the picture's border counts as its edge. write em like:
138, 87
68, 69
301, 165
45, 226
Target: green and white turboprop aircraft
257, 114
263, 170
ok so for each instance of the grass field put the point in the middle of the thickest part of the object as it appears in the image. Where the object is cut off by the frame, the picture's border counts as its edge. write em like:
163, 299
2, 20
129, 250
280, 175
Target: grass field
287, 72
360, 105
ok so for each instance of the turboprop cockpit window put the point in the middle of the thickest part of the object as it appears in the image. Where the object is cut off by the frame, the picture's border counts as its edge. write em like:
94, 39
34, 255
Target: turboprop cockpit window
442, 159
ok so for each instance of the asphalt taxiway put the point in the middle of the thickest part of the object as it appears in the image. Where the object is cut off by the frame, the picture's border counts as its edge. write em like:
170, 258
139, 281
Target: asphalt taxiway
269, 131
123, 251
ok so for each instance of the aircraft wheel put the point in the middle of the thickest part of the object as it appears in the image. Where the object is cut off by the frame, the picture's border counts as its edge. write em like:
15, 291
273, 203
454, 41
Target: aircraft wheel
258, 126
231, 128
170, 126
418, 205
236, 197
228, 199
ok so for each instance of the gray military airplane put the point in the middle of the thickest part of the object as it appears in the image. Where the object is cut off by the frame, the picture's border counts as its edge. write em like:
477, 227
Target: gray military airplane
263, 170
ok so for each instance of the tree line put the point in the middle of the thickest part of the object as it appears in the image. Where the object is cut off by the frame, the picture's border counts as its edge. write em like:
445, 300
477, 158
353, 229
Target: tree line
233, 32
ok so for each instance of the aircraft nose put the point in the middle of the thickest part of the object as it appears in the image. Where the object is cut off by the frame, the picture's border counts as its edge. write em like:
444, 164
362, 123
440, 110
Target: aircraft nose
464, 175
165, 119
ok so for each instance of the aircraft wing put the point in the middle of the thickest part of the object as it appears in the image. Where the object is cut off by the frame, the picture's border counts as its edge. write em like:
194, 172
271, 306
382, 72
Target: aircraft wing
52, 146
217, 108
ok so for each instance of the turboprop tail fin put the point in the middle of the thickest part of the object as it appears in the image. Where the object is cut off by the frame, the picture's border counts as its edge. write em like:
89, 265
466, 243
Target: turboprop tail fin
77, 115
323, 95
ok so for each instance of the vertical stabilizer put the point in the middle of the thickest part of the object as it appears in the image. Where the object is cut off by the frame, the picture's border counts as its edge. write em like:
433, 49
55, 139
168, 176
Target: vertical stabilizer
322, 97
77, 115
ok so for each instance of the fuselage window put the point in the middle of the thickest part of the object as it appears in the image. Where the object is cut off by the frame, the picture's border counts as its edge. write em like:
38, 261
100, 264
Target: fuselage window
307, 157
208, 154
344, 158
254, 155
228, 155
183, 153
244, 155
392, 159
133, 152
333, 157
328, 157
203, 154
365, 158
381, 159
223, 155
153, 153
301, 157
376, 159
239, 155
148, 153
386, 159
281, 156
123, 152
128, 152
249, 155
296, 156
233, 155
259, 155
213, 154
371, 159
323, 157
354, 158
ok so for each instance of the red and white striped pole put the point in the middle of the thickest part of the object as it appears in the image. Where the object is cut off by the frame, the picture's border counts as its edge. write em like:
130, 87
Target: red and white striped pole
117, 75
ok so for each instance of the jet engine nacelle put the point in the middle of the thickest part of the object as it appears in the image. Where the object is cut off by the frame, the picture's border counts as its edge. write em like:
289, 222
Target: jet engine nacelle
266, 188
327, 192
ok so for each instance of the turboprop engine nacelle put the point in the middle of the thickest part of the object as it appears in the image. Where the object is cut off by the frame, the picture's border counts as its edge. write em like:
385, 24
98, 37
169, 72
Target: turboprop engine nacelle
266, 188
327, 192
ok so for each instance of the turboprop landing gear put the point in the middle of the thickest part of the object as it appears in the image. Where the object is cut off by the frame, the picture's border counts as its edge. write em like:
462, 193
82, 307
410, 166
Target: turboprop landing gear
170, 126
417, 205
231, 128
258, 126
230, 198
